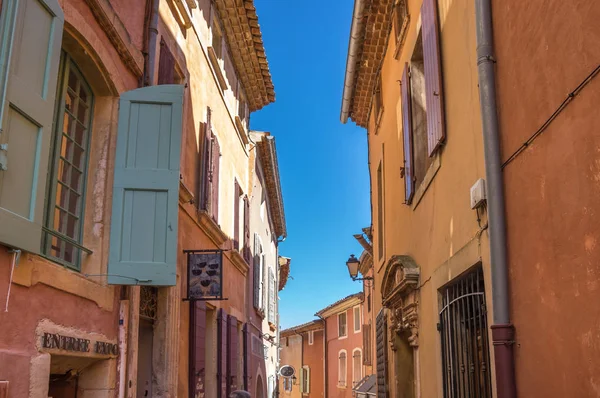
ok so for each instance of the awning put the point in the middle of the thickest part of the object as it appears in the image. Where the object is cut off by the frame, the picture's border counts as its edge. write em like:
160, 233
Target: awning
366, 387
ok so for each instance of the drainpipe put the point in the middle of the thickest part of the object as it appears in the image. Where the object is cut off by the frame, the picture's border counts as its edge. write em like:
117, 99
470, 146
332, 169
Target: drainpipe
325, 359
152, 35
502, 330
353, 50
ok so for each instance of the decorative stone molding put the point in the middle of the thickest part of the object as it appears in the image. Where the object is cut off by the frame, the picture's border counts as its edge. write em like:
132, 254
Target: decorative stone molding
400, 295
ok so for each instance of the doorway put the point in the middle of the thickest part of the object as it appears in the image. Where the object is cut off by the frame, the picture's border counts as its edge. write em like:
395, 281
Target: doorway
148, 312
404, 373
63, 385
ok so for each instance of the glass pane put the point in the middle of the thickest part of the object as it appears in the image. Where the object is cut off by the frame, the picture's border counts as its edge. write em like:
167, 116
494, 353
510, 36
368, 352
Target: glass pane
82, 112
56, 246
67, 124
59, 219
75, 180
74, 199
79, 133
83, 95
69, 252
70, 100
73, 81
77, 158
66, 148
63, 172
71, 229
61, 195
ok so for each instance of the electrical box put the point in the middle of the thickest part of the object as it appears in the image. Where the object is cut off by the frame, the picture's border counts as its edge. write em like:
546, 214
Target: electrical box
478, 197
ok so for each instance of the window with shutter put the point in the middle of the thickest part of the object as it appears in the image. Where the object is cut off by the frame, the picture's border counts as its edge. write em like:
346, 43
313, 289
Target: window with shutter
381, 354
407, 133
342, 329
256, 268
166, 65
436, 132
367, 344
204, 164
356, 366
246, 356
198, 348
380, 200
27, 98
214, 177
222, 354
232, 355
68, 174
357, 319
143, 234
262, 287
305, 380
237, 191
342, 368
246, 250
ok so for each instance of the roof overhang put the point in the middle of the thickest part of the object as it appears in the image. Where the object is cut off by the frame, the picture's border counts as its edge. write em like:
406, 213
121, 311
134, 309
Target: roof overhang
317, 324
244, 37
267, 156
371, 23
284, 271
341, 305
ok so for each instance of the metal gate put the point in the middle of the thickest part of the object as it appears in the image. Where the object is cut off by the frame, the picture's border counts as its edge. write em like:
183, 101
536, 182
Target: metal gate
464, 336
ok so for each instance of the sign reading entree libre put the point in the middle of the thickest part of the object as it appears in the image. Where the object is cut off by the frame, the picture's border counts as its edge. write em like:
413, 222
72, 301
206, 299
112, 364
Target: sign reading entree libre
60, 342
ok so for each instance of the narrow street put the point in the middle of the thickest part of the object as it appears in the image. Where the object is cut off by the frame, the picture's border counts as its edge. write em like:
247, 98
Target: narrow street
299, 199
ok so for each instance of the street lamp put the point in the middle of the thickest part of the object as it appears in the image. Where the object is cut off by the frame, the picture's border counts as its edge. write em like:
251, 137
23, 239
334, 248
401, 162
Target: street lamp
352, 265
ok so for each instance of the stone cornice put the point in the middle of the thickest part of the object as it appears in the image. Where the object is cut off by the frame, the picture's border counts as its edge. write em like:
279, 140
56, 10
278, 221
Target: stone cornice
110, 23
211, 228
238, 261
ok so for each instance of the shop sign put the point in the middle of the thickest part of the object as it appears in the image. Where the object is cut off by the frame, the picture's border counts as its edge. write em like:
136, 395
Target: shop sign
73, 344
205, 275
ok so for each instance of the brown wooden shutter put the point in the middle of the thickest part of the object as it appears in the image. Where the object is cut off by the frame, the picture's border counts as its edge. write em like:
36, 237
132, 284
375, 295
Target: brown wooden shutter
222, 354
381, 326
166, 65
367, 344
198, 348
236, 216
214, 178
409, 179
205, 164
433, 75
246, 337
3, 384
232, 355
256, 271
247, 229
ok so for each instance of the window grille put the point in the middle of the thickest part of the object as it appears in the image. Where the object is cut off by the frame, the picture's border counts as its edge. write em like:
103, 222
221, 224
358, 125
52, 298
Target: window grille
464, 335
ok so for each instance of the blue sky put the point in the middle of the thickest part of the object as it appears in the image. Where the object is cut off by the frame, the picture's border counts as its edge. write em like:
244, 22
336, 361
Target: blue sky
323, 163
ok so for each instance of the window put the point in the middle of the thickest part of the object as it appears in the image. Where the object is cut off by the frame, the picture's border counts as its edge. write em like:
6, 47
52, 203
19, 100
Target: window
166, 65
380, 210
342, 368
287, 384
65, 207
378, 102
381, 353
357, 318
217, 38
238, 208
342, 331
311, 337
258, 273
400, 21
464, 335
242, 110
423, 126
367, 344
356, 366
305, 380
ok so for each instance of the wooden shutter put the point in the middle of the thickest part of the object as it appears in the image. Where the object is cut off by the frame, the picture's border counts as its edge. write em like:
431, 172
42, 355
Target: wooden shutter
246, 354
381, 331
366, 328
246, 229
236, 215
198, 348
166, 65
205, 164
222, 354
143, 234
409, 175
232, 355
214, 178
433, 75
256, 271
27, 116
271, 293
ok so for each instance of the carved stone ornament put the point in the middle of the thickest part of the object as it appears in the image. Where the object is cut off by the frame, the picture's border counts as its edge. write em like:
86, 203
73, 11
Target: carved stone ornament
400, 295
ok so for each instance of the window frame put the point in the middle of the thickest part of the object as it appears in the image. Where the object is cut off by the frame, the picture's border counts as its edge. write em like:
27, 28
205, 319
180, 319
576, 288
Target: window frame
305, 378
67, 63
345, 335
342, 378
311, 337
354, 318
287, 384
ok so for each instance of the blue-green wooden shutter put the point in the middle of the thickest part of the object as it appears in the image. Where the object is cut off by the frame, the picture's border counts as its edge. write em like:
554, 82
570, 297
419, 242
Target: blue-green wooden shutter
29, 61
143, 236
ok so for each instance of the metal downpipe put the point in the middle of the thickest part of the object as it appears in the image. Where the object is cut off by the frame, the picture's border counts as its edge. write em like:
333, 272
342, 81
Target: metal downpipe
502, 329
152, 42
